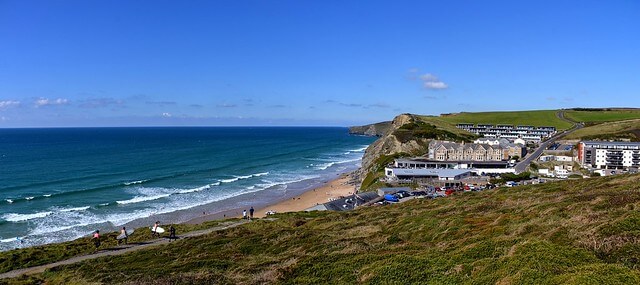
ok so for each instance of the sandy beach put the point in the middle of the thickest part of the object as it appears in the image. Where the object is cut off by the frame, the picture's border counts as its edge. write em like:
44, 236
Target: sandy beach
333, 189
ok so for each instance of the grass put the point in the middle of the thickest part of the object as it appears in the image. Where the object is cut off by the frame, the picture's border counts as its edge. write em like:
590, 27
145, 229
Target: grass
39, 255
602, 115
572, 232
372, 179
535, 118
425, 130
629, 129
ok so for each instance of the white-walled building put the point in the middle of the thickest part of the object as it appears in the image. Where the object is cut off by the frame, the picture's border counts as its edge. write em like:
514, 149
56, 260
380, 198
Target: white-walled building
609, 155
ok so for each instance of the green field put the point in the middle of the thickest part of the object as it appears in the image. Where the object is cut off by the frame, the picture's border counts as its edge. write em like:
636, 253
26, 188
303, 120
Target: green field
581, 231
629, 129
535, 118
603, 115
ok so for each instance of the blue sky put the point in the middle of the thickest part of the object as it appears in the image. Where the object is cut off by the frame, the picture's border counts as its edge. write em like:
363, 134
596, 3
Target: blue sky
166, 63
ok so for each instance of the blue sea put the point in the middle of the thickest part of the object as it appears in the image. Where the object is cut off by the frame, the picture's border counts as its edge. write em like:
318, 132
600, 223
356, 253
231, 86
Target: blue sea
61, 184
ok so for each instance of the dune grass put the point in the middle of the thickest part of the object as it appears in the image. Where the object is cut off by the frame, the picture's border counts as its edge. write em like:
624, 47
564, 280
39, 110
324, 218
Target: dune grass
535, 118
570, 232
599, 116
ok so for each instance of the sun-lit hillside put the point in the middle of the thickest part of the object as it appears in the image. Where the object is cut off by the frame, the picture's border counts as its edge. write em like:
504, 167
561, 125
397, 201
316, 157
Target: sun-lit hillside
570, 232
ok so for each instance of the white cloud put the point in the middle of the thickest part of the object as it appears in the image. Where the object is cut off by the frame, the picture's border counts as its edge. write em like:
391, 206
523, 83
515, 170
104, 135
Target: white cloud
47, 102
8, 103
431, 81
166, 115
428, 77
435, 85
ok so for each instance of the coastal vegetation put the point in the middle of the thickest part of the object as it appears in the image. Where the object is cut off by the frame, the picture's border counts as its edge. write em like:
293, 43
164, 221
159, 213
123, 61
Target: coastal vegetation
602, 115
534, 118
568, 232
372, 180
425, 130
44, 254
617, 130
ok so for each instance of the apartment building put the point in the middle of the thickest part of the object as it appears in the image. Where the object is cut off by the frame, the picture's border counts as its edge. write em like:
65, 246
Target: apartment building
528, 133
609, 155
451, 151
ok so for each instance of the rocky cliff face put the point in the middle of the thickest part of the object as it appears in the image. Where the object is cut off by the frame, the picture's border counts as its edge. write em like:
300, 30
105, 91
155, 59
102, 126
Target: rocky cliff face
374, 130
388, 144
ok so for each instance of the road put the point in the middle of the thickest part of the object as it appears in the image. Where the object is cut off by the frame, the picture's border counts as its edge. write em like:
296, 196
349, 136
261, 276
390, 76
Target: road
522, 165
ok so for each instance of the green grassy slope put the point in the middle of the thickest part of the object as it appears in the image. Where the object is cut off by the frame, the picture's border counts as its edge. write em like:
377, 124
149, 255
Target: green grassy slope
629, 129
535, 118
39, 255
598, 116
570, 232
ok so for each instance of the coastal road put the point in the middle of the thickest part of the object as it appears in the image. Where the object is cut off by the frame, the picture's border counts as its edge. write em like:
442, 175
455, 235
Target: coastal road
522, 166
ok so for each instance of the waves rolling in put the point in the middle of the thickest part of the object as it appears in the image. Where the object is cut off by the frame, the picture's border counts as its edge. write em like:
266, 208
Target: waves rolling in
104, 178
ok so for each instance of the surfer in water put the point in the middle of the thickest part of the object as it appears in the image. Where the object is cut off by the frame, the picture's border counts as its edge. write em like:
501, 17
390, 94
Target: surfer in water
96, 239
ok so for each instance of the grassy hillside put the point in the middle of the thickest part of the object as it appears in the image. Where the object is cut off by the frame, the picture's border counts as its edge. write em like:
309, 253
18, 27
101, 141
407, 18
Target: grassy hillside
602, 115
535, 118
629, 129
39, 255
571, 232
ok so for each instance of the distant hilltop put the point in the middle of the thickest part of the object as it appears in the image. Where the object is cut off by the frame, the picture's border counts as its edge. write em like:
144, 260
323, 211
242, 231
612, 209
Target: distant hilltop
374, 130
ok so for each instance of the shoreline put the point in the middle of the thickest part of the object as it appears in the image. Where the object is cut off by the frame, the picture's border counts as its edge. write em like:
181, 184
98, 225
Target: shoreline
343, 185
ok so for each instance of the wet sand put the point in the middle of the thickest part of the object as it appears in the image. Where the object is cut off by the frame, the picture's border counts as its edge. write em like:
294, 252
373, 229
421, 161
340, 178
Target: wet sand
333, 189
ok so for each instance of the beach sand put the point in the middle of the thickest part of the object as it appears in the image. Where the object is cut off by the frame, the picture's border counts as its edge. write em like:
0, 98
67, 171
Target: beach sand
333, 189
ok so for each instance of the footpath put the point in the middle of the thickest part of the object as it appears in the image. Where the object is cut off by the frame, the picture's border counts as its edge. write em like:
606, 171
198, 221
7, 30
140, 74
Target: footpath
116, 251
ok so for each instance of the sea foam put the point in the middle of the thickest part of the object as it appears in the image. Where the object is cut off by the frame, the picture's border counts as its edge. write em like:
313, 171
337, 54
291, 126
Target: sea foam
13, 217
138, 199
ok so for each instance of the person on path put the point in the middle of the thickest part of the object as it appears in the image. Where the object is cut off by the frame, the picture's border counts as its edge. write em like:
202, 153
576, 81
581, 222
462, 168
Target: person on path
154, 231
244, 214
123, 232
96, 239
251, 213
172, 233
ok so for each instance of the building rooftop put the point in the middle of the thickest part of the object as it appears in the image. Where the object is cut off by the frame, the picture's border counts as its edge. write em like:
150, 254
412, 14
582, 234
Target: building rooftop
446, 172
611, 143
424, 160
349, 202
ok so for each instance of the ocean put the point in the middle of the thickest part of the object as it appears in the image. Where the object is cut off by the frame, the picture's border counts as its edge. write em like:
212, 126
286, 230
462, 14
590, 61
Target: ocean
62, 184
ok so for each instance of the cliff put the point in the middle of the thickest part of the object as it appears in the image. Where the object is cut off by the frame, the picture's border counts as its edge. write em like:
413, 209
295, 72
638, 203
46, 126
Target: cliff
408, 135
374, 130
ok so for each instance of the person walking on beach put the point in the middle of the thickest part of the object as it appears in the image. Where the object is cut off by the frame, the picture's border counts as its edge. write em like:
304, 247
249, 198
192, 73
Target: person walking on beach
251, 213
244, 214
96, 239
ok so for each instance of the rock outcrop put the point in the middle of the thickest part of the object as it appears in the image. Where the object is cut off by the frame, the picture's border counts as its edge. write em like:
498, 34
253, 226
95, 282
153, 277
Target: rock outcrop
388, 144
374, 130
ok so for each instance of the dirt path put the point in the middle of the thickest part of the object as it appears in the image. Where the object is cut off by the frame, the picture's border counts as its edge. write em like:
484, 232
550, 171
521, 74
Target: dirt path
116, 251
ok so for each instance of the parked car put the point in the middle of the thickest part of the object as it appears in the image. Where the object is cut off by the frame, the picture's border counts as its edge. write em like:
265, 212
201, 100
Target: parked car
391, 198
